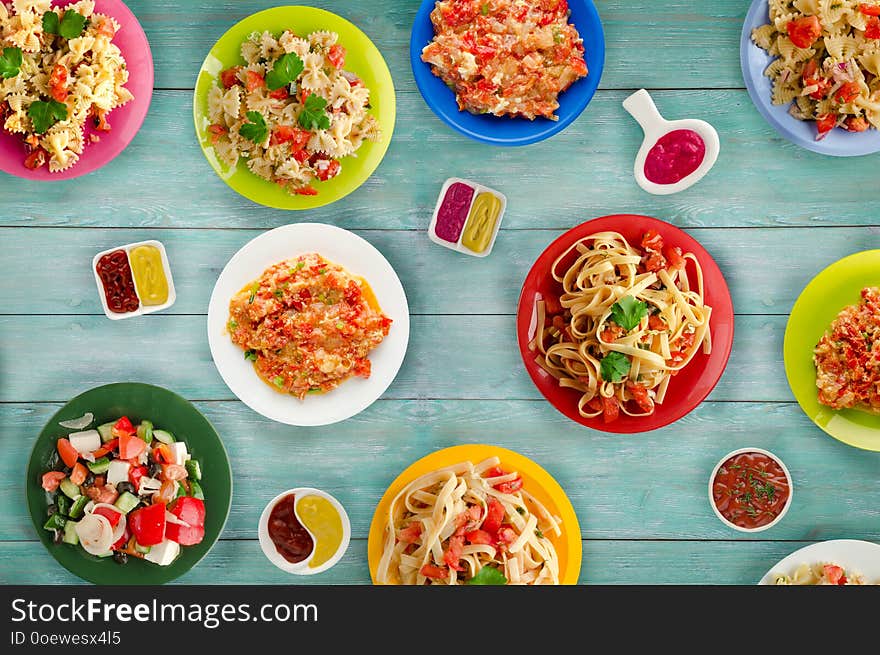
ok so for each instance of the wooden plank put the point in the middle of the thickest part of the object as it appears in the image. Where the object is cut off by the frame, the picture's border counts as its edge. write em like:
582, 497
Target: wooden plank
435, 279
448, 357
176, 187
691, 34
646, 486
604, 562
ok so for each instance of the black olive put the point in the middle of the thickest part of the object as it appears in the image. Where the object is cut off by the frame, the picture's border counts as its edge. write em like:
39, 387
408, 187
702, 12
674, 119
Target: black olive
90, 479
57, 536
155, 469
51, 509
124, 486
119, 557
66, 470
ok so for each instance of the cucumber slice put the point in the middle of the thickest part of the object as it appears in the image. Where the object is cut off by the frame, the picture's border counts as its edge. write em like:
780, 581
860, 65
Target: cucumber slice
76, 510
70, 536
180, 491
126, 502
55, 522
106, 432
195, 490
145, 431
63, 504
99, 465
164, 436
193, 469
109, 553
69, 489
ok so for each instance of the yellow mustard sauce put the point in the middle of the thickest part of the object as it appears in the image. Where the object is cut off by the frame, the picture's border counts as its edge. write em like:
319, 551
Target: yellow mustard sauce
322, 520
149, 275
481, 221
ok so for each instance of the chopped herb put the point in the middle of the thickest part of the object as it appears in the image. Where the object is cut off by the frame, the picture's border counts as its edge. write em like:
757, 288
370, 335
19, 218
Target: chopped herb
256, 130
614, 366
232, 325
10, 62
313, 117
253, 294
628, 312
521, 510
339, 325
488, 575
285, 71
557, 36
45, 114
538, 533
300, 265
321, 271
70, 26
751, 511
484, 9
278, 381
278, 293
250, 355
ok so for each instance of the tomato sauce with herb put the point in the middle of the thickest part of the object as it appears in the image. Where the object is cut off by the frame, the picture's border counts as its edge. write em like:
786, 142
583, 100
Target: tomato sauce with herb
750, 490
292, 541
115, 273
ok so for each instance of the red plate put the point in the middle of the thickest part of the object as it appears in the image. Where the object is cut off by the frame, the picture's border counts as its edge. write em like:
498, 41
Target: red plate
688, 388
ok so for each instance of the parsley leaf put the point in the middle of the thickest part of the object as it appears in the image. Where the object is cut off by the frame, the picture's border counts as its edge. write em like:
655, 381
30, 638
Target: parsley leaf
250, 355
614, 366
285, 71
10, 62
45, 114
488, 575
278, 381
628, 312
70, 26
256, 130
51, 22
313, 117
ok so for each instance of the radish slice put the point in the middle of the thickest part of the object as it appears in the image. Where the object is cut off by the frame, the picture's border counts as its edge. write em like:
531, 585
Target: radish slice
95, 534
80, 423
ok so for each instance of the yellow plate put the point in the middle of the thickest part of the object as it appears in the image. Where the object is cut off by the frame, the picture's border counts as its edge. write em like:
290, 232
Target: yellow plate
536, 481
829, 292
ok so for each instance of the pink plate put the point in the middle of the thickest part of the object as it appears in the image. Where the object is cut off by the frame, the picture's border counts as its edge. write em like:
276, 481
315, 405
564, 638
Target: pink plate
691, 385
125, 121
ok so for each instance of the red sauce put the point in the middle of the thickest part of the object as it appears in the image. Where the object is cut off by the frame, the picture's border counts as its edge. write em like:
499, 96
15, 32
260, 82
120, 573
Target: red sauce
115, 273
453, 212
292, 541
675, 156
750, 490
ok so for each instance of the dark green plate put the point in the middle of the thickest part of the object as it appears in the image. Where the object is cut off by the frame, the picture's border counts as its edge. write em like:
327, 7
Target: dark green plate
167, 411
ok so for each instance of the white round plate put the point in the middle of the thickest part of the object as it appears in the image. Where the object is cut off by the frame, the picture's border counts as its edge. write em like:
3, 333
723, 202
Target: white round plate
358, 257
861, 557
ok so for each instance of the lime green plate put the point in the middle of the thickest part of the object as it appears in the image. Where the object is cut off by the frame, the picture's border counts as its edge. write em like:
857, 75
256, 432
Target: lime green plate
168, 411
362, 58
818, 305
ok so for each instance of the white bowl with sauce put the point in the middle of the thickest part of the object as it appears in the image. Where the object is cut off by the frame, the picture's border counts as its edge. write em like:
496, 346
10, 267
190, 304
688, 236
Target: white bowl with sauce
146, 305
314, 511
641, 106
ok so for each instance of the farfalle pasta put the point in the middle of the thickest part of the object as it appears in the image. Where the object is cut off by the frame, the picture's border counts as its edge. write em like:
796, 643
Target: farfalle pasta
828, 63
291, 111
59, 69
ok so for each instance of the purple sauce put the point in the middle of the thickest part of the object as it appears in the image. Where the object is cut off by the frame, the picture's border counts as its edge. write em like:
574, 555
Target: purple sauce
675, 156
453, 212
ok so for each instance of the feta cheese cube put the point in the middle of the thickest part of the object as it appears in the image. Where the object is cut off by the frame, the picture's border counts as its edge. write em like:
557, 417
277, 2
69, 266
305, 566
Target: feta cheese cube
163, 553
178, 451
118, 472
85, 442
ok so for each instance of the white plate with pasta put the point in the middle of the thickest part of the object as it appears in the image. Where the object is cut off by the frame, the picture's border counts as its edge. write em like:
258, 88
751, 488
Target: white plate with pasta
835, 562
474, 515
625, 323
824, 96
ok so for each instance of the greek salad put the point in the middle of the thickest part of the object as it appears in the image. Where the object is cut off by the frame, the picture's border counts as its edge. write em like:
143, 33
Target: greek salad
124, 490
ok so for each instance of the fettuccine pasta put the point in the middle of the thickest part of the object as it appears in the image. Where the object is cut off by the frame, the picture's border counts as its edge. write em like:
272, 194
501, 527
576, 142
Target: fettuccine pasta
625, 323
469, 524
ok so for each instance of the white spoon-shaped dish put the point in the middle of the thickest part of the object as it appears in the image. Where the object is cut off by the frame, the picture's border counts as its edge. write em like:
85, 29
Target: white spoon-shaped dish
641, 106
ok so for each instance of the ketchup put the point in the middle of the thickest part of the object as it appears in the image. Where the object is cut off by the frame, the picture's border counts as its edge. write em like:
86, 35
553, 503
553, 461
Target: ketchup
115, 273
750, 490
292, 541
675, 156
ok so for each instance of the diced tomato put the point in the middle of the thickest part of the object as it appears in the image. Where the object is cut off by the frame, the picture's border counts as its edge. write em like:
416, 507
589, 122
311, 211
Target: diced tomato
69, 455
434, 572
826, 123
869, 10
279, 94
254, 81
833, 573
331, 169
336, 55
52, 479
822, 87
78, 474
305, 191
162, 454
410, 534
123, 426
58, 83
216, 130
803, 32
494, 516
857, 124
510, 487
654, 261
552, 305
809, 70
453, 553
35, 160
656, 323
610, 409
848, 92
102, 493
192, 512
109, 514
297, 138
229, 77
494, 472
872, 29
148, 524
506, 535
301, 156
640, 395
131, 446
652, 241
104, 26
674, 258
173, 472
106, 448
99, 120
135, 473
479, 537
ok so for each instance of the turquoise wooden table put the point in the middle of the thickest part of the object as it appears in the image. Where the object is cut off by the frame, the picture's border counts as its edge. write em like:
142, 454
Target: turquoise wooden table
641, 500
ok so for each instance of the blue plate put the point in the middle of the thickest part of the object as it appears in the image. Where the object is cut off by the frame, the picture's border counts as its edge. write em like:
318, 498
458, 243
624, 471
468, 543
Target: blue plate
504, 130
755, 60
